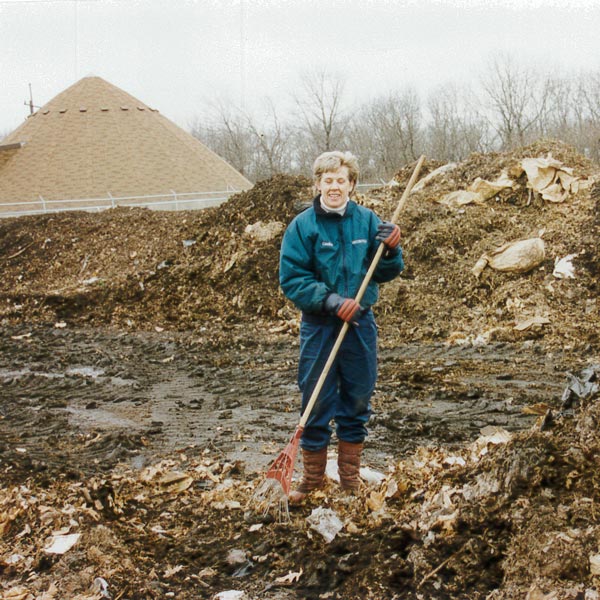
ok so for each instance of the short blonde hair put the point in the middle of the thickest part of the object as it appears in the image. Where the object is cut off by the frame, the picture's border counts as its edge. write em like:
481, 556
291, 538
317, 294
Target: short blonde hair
332, 161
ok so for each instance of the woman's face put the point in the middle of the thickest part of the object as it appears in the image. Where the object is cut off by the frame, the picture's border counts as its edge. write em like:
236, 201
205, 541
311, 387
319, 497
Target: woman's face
335, 187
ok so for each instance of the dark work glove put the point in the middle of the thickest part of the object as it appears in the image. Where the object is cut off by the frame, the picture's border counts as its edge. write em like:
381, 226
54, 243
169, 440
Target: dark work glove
389, 234
345, 308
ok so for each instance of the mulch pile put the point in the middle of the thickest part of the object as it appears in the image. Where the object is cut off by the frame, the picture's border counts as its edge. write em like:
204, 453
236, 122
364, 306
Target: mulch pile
510, 516
136, 268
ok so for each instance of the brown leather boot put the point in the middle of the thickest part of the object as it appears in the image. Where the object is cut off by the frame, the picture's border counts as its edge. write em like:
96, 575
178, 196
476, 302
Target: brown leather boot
313, 477
349, 465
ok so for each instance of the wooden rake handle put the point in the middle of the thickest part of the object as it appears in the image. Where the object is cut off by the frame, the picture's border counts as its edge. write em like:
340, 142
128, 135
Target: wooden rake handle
358, 298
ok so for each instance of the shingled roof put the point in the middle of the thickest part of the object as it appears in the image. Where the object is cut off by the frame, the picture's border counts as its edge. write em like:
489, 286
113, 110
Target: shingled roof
94, 139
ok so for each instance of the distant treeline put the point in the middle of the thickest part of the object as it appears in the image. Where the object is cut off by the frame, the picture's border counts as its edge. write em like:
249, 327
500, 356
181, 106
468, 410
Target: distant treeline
512, 105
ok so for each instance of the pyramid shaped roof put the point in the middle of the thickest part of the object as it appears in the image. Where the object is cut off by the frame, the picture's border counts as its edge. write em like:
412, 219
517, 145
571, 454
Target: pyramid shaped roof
94, 139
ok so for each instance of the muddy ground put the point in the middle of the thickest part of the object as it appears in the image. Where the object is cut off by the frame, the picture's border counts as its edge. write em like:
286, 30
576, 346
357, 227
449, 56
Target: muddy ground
95, 409
148, 367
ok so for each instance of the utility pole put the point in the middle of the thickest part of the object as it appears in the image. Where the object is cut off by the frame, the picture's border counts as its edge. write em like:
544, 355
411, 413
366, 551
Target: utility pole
30, 103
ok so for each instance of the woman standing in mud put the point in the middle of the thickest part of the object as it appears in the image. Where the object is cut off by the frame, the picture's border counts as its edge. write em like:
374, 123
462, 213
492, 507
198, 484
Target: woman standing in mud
325, 254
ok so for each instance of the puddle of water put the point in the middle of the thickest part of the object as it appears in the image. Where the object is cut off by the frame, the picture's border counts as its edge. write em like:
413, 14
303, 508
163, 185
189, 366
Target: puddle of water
72, 371
85, 371
6, 374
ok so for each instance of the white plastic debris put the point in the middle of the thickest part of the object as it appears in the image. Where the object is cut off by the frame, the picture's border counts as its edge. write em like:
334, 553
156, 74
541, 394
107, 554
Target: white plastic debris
290, 578
91, 280
326, 522
595, 564
331, 470
236, 557
371, 476
454, 460
62, 543
230, 595
563, 267
367, 474
100, 586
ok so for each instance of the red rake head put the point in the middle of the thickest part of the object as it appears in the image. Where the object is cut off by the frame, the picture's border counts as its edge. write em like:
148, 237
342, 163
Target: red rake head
282, 468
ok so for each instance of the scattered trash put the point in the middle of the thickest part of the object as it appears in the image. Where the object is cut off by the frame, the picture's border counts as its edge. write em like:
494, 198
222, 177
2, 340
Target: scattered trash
514, 257
24, 336
376, 501
91, 280
17, 593
368, 475
230, 595
532, 322
188, 243
62, 543
236, 557
60, 325
175, 483
170, 571
326, 522
289, 578
495, 435
100, 586
563, 267
430, 176
490, 435
595, 564
371, 476
478, 192
331, 470
581, 387
550, 178
454, 460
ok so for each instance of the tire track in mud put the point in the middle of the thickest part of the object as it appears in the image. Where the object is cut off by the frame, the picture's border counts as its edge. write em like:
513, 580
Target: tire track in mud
78, 401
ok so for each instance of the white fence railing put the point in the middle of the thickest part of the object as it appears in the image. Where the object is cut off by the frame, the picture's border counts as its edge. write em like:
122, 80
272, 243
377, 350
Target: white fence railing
171, 201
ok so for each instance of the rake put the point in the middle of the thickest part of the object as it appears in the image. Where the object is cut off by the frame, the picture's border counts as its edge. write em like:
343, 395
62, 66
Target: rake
275, 488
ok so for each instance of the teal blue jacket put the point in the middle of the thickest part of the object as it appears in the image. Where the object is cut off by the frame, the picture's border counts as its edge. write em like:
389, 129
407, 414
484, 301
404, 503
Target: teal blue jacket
324, 252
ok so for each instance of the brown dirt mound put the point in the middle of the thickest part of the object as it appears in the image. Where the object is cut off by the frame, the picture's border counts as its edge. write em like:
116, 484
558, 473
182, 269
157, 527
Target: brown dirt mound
503, 517
140, 269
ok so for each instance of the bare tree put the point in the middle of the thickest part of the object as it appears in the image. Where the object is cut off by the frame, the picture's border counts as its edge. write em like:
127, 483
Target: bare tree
225, 132
517, 97
257, 148
588, 114
455, 128
272, 148
320, 105
392, 124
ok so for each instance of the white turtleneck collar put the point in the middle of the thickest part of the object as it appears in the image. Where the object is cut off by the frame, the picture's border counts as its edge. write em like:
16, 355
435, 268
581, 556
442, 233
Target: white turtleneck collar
338, 211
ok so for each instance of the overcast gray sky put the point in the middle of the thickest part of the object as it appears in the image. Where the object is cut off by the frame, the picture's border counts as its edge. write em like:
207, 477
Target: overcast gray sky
174, 55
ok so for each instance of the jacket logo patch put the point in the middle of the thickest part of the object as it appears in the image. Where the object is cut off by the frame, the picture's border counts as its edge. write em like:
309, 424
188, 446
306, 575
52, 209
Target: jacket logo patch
359, 241
327, 244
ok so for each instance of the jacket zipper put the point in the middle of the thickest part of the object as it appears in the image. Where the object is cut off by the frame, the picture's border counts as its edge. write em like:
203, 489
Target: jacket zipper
344, 269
